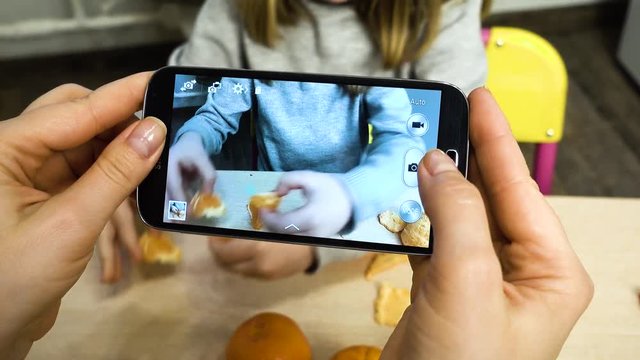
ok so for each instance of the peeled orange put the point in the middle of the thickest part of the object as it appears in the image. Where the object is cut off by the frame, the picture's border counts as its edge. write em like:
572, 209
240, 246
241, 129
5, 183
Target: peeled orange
269, 200
207, 206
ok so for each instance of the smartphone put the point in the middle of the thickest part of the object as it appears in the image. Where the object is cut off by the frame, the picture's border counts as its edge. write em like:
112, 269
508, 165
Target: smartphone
301, 158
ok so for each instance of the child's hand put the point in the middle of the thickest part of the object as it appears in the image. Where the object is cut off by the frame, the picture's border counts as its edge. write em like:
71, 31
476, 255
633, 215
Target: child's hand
327, 211
119, 232
261, 259
188, 161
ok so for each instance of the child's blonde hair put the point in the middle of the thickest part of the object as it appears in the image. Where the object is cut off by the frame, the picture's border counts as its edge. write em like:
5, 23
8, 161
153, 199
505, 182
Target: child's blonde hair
402, 30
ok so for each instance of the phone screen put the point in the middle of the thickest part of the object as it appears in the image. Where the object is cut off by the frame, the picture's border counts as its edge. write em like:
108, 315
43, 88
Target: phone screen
301, 158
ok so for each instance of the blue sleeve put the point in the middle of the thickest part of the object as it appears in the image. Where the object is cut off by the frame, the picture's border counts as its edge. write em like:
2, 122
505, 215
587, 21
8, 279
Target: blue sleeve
377, 182
220, 115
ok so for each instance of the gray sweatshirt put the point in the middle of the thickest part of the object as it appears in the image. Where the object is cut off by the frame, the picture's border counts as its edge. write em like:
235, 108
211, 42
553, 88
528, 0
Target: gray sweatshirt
337, 43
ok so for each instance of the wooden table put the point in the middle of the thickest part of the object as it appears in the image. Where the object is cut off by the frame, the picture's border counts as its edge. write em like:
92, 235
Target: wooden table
190, 313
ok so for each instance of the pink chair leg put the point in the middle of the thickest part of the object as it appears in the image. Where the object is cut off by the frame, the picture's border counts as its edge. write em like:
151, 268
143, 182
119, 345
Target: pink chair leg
486, 35
544, 166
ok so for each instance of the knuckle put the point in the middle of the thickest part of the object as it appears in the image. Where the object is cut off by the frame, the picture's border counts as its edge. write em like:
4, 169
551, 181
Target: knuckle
64, 223
530, 182
585, 289
481, 271
68, 220
219, 256
589, 289
222, 261
459, 189
71, 88
539, 230
315, 222
116, 169
86, 107
525, 182
265, 269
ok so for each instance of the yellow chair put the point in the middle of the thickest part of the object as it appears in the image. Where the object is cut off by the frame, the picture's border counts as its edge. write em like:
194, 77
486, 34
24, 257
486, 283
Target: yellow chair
529, 80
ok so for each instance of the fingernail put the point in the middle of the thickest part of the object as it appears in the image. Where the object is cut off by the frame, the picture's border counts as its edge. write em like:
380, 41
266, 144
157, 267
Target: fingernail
437, 162
147, 136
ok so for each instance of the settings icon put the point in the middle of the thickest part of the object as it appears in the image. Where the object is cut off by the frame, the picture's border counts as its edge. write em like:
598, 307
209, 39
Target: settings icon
238, 88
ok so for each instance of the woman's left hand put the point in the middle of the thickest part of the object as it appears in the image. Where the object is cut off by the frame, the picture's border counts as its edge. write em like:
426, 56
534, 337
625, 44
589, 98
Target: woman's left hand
66, 164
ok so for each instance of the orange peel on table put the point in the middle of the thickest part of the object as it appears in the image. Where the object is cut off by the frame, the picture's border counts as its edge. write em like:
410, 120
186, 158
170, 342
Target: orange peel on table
157, 247
390, 304
382, 262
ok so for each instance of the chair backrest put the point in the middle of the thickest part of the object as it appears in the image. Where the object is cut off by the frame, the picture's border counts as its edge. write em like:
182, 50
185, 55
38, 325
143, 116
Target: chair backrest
529, 80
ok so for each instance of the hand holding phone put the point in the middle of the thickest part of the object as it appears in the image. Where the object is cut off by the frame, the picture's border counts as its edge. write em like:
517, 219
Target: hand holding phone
505, 283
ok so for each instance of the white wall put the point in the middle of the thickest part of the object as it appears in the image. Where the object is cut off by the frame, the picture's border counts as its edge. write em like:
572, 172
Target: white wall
501, 6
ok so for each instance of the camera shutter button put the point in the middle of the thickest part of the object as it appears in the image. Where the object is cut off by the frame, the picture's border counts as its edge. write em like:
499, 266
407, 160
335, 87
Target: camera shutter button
410, 169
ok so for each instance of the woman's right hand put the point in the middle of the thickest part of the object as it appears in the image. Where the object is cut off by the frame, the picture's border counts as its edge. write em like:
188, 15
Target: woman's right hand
189, 161
503, 281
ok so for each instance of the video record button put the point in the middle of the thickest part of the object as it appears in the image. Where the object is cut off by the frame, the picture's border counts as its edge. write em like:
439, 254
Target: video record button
417, 125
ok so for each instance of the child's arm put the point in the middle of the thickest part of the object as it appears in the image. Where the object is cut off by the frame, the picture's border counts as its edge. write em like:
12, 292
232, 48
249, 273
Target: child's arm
205, 133
377, 182
215, 40
457, 55
220, 115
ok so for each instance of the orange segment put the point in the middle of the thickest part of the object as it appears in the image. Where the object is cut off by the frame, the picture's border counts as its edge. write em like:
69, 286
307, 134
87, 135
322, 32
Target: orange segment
268, 200
207, 205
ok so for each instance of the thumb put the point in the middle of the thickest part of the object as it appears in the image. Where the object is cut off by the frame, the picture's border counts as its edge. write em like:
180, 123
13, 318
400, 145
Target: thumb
119, 169
294, 180
457, 214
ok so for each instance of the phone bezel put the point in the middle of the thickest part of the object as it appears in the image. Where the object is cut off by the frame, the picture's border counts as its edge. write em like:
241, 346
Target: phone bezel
453, 133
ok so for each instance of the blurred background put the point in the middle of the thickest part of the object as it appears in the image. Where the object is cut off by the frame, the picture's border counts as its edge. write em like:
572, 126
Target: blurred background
46, 43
